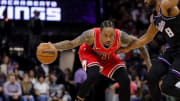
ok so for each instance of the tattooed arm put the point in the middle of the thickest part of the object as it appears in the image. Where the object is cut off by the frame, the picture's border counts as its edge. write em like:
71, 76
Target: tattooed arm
85, 37
126, 39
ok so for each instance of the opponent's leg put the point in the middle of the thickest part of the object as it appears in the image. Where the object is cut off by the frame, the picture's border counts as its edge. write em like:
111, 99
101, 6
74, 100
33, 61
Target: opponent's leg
158, 70
92, 74
121, 76
172, 78
168, 86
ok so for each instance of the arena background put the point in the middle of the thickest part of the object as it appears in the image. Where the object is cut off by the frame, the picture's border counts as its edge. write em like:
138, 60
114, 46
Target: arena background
20, 34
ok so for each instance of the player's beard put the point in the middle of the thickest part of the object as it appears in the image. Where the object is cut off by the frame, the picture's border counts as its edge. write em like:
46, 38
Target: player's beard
106, 46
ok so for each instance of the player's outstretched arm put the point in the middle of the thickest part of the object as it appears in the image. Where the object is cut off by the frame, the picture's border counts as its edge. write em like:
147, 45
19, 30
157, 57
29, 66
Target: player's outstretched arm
85, 37
143, 40
127, 40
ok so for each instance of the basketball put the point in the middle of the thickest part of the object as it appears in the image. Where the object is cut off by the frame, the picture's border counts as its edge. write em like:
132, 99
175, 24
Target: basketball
46, 53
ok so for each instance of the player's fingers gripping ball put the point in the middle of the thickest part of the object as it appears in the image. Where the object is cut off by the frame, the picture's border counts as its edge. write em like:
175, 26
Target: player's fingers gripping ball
46, 53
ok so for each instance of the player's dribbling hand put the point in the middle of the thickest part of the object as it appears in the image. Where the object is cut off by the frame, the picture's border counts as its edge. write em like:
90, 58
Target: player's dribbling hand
46, 53
51, 44
48, 44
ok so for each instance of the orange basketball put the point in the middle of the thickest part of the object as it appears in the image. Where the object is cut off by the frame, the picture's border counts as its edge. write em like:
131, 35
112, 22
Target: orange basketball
46, 53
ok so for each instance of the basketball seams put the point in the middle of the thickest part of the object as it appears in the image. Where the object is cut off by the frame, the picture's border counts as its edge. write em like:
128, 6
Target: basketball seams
45, 56
46, 53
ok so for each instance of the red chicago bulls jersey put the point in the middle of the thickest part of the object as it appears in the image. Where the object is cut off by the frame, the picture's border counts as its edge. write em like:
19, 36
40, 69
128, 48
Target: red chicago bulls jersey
105, 53
100, 56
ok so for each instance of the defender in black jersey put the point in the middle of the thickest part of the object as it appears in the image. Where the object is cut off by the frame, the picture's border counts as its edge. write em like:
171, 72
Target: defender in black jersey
165, 19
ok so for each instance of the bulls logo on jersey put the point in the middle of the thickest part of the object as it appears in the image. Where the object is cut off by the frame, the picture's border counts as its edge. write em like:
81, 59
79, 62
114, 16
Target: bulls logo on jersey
104, 56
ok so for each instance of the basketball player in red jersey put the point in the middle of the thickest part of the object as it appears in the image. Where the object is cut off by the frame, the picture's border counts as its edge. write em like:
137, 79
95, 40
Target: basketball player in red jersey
101, 58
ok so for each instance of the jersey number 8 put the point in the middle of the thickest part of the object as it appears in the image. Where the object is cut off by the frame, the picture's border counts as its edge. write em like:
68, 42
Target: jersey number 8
169, 32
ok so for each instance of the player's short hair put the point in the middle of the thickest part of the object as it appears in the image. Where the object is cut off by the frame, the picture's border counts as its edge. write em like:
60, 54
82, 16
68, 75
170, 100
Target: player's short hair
107, 23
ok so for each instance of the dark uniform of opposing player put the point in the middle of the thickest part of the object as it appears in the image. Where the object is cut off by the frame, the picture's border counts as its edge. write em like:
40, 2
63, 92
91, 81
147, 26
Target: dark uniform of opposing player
165, 19
170, 60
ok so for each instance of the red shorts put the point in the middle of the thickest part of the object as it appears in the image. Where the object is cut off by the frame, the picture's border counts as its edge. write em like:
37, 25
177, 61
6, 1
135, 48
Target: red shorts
89, 57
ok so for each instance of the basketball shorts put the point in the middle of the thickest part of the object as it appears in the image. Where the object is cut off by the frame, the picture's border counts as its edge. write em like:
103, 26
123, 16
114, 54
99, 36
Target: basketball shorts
89, 58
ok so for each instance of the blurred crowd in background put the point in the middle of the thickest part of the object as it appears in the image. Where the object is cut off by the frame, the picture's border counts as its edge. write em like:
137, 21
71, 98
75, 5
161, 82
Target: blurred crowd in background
22, 77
